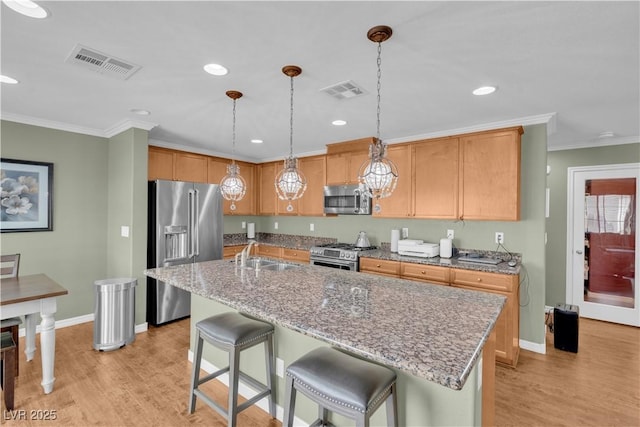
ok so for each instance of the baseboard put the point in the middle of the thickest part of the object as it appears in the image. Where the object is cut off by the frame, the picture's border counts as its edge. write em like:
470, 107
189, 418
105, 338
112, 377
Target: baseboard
534, 346
85, 318
245, 391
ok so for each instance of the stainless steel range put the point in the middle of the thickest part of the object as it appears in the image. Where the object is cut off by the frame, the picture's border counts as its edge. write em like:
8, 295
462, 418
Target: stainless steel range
344, 256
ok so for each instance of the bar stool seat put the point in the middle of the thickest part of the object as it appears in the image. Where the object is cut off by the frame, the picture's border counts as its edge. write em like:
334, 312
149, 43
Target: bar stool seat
234, 332
341, 383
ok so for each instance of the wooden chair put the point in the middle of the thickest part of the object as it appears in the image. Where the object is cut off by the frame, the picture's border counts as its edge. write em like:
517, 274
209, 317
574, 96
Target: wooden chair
9, 266
9, 359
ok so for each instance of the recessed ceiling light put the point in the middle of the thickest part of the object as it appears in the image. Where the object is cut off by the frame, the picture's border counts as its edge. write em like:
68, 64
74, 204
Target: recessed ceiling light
27, 8
7, 79
216, 69
484, 90
339, 122
257, 141
140, 111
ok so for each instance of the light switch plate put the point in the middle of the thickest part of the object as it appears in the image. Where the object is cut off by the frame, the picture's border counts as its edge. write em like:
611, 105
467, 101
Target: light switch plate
124, 231
279, 367
405, 232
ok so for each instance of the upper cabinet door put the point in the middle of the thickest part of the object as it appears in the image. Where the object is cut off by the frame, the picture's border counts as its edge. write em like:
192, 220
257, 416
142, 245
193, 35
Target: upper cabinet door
217, 169
160, 164
435, 166
490, 175
312, 201
190, 167
267, 195
398, 204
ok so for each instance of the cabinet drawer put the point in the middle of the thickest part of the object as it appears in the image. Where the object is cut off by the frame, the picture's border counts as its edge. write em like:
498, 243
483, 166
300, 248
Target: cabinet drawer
379, 266
428, 273
231, 251
295, 254
271, 251
482, 280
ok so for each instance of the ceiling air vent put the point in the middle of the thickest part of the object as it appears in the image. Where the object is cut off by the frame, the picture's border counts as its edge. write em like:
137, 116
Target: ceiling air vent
344, 90
101, 62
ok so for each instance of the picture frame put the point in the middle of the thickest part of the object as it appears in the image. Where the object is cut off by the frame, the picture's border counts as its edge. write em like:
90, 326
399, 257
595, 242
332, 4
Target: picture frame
26, 201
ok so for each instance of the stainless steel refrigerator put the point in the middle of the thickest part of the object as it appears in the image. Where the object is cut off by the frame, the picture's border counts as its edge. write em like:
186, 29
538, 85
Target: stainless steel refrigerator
185, 226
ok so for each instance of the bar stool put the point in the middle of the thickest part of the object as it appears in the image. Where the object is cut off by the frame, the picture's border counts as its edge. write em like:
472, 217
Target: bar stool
234, 332
343, 384
8, 368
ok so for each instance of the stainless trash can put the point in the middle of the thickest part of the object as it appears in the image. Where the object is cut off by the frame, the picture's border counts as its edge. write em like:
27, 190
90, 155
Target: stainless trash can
114, 323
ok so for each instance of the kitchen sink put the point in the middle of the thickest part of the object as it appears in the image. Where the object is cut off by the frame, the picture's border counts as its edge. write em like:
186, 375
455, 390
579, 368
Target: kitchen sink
268, 264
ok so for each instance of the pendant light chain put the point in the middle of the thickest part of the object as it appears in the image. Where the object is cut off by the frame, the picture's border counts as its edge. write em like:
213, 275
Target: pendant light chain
233, 134
291, 122
379, 63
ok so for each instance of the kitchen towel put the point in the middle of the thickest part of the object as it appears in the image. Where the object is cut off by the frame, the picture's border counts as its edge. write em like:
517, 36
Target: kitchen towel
395, 236
251, 230
445, 248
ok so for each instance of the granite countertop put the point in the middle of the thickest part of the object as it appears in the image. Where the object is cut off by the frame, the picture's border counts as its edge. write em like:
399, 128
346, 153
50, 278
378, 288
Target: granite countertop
284, 240
433, 332
502, 268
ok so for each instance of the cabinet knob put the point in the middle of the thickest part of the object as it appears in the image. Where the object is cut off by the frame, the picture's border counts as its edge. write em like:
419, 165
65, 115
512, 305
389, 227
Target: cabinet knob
378, 265
579, 252
423, 272
479, 279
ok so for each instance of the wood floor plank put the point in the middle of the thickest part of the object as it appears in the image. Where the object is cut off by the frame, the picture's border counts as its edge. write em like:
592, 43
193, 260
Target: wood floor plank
147, 382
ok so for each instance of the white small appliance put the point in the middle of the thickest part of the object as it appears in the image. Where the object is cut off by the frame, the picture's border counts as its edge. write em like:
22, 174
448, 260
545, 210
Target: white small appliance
395, 237
446, 248
418, 248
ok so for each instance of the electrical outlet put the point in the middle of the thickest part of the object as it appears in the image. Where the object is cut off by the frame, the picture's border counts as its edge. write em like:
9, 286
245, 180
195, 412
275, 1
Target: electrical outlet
450, 234
244, 224
405, 233
312, 227
279, 367
275, 225
499, 237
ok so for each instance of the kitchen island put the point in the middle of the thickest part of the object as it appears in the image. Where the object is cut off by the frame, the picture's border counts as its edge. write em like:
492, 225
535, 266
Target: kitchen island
433, 336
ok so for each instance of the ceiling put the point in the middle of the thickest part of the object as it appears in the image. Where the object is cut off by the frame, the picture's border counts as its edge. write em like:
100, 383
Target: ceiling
573, 65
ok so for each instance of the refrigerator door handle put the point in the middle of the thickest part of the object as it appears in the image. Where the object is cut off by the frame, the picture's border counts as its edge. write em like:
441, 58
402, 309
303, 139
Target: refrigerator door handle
190, 226
196, 223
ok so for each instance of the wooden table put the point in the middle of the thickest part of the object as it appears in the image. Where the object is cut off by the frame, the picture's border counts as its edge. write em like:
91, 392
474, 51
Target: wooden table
27, 296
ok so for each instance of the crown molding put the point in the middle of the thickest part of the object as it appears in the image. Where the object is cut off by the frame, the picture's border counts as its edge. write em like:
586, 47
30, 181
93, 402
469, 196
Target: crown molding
600, 142
34, 121
127, 124
67, 127
180, 147
549, 119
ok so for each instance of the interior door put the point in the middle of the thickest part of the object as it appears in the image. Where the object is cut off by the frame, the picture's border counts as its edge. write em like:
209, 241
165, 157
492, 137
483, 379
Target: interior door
602, 242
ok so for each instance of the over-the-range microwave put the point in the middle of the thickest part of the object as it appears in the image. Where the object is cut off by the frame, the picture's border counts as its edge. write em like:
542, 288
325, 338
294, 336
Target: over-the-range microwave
346, 200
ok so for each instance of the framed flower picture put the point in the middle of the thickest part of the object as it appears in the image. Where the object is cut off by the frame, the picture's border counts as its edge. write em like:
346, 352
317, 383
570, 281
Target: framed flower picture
26, 203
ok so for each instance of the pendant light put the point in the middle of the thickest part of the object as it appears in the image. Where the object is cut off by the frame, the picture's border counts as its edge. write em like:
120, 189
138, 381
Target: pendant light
233, 186
378, 174
290, 182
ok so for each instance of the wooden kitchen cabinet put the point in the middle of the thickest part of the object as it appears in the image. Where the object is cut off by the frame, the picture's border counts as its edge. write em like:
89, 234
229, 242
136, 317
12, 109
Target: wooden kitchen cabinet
435, 167
380, 266
190, 167
217, 169
269, 251
312, 202
424, 273
398, 204
160, 165
344, 160
508, 325
267, 191
490, 175
229, 252
297, 255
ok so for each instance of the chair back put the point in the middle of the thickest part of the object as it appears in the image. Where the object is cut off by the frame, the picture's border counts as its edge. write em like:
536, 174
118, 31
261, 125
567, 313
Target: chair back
9, 265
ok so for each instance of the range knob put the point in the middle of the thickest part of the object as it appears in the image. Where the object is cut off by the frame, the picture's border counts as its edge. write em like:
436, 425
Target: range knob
341, 254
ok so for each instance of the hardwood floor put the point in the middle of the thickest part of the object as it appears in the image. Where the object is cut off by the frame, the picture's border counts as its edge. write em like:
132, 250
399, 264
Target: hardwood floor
146, 383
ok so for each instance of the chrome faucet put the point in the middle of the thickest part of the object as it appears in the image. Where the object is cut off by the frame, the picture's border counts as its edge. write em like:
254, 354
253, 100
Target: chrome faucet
245, 253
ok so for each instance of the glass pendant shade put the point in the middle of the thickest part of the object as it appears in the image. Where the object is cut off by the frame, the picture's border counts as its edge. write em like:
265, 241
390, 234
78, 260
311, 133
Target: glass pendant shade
232, 185
290, 182
379, 175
